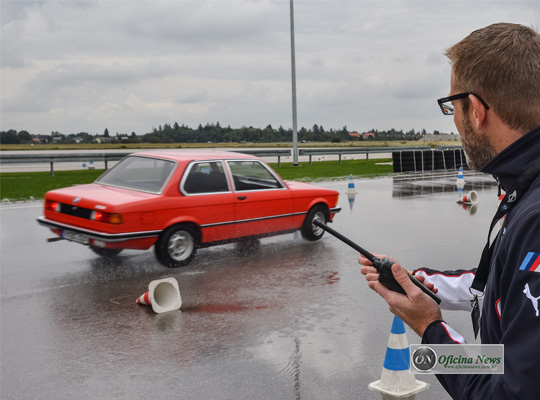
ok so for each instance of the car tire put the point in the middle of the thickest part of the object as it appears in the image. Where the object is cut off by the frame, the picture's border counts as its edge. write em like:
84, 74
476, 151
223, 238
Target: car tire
310, 231
106, 253
177, 245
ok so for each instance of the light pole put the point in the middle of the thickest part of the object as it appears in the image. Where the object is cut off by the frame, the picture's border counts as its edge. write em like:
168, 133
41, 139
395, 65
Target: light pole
293, 79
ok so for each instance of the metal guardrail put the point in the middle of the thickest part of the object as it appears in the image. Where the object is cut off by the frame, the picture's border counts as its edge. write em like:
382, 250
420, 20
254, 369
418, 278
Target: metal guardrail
106, 157
60, 157
355, 150
267, 153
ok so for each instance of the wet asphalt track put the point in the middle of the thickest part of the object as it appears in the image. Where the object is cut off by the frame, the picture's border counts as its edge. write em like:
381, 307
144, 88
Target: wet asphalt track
287, 319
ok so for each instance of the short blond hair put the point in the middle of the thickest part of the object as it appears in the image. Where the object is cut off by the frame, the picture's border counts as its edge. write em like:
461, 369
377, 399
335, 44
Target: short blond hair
501, 63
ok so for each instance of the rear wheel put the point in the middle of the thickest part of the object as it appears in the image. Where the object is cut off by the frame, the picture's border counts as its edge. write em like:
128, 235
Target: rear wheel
310, 231
176, 246
106, 253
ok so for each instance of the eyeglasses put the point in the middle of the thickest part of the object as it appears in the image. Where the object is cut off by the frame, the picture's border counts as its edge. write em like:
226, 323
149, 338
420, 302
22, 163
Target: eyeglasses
447, 107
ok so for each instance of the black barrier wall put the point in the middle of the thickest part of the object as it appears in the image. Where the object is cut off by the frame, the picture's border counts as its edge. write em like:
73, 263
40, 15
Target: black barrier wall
428, 160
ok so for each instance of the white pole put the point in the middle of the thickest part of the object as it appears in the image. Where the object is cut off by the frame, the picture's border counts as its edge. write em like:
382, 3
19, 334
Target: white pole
293, 76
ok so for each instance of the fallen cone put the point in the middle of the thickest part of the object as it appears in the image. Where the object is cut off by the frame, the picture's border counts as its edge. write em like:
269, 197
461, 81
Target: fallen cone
471, 198
163, 295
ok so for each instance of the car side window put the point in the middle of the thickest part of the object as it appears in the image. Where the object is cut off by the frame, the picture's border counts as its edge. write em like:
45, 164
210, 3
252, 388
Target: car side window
206, 177
252, 175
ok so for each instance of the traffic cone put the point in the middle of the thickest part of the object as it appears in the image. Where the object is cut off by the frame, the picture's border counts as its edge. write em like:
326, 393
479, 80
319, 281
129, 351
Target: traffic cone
350, 188
396, 378
460, 181
459, 193
163, 295
471, 198
351, 197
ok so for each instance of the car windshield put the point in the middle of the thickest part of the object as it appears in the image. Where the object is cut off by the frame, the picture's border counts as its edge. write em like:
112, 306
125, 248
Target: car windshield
139, 173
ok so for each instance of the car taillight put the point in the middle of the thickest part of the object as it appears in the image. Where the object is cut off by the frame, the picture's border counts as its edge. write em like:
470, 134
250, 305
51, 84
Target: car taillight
109, 218
52, 205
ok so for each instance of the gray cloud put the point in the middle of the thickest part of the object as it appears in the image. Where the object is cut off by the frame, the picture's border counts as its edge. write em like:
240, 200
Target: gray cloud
132, 65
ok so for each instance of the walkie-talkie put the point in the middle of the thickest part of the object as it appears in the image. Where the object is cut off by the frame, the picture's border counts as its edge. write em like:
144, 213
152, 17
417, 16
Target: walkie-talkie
382, 265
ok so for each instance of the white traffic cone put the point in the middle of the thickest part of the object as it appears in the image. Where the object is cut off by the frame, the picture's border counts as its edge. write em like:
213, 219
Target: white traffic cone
471, 198
163, 295
459, 193
351, 189
351, 197
460, 181
396, 378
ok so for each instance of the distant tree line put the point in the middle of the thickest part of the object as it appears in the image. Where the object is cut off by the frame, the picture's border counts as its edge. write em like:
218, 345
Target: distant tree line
213, 133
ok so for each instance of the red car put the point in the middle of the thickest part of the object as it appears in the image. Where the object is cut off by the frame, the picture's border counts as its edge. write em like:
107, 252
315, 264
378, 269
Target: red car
179, 201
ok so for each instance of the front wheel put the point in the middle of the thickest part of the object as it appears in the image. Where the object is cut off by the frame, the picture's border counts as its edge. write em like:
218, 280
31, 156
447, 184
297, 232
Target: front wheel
176, 246
309, 230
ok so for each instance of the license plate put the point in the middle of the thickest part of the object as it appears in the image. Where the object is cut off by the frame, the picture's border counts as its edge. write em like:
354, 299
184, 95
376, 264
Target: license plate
76, 237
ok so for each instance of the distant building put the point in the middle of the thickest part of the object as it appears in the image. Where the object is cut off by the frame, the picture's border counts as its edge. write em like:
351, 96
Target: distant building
102, 139
368, 135
354, 134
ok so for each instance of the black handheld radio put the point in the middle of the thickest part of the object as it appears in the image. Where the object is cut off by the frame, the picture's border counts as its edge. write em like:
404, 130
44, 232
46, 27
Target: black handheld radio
382, 265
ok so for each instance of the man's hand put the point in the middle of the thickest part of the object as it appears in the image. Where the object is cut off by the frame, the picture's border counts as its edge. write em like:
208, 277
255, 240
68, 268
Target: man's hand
415, 308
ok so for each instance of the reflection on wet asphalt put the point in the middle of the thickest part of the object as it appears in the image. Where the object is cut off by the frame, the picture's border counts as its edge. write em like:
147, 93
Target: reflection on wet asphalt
284, 319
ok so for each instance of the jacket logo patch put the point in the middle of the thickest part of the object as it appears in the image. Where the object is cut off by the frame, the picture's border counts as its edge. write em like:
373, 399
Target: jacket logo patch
533, 299
512, 197
531, 262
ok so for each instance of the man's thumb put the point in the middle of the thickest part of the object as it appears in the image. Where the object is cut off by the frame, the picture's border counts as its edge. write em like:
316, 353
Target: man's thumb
401, 277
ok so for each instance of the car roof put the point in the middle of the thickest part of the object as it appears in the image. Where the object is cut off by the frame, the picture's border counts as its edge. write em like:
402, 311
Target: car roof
189, 155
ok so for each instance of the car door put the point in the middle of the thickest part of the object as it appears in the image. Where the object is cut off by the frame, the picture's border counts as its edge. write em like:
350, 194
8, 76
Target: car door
263, 202
209, 200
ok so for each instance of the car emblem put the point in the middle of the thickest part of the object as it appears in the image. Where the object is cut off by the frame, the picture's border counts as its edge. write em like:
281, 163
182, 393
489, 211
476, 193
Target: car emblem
76, 200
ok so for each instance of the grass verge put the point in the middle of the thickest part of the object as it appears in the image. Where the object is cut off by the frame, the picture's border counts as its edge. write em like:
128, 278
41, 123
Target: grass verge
19, 186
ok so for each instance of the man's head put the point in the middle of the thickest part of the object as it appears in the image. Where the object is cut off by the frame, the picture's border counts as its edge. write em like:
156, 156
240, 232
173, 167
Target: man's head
501, 63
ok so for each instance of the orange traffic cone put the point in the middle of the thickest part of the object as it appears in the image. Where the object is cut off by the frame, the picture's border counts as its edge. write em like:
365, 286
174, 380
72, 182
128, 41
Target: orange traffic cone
163, 295
471, 198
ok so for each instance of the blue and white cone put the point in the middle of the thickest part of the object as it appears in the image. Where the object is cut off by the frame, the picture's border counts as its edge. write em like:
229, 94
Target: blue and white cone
460, 181
396, 379
351, 197
459, 193
351, 189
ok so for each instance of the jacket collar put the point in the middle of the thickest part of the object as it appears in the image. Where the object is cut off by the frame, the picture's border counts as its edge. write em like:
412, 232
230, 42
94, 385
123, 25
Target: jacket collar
509, 164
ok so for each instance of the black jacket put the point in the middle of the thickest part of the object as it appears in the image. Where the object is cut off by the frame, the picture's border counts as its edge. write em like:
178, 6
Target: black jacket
510, 310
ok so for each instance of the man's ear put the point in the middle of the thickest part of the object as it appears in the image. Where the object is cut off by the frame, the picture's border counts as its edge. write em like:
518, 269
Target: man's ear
479, 112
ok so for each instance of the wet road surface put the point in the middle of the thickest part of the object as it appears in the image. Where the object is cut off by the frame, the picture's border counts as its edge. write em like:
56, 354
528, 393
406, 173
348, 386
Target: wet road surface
285, 319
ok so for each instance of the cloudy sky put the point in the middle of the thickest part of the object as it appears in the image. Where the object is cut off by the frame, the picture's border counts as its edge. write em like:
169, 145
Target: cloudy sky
132, 65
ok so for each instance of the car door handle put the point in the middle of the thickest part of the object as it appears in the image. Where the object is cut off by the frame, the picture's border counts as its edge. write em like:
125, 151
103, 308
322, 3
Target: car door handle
242, 197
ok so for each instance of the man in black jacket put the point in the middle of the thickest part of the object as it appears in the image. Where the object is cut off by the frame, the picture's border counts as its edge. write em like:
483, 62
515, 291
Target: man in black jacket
495, 100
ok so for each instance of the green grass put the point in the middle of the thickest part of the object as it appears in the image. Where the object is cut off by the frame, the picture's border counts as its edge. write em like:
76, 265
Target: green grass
321, 170
17, 186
